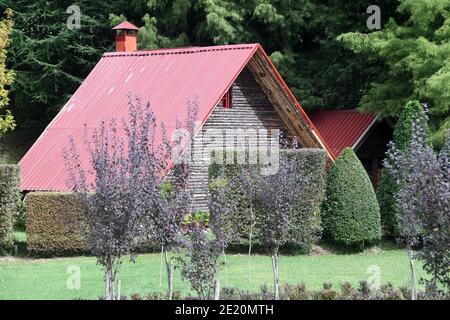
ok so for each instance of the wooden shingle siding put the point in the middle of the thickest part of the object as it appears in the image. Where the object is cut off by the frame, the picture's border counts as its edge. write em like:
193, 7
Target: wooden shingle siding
250, 109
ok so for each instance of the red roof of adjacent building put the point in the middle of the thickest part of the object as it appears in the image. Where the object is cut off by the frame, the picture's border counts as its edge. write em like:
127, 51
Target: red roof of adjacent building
342, 128
167, 78
125, 26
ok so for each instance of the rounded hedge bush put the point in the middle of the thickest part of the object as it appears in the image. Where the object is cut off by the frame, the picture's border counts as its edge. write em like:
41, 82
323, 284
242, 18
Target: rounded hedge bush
351, 215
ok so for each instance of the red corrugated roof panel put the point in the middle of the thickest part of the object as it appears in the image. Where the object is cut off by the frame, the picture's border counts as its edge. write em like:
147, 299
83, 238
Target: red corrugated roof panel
341, 128
167, 78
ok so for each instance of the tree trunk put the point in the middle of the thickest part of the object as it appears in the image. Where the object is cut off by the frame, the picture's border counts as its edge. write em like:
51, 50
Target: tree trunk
275, 274
216, 290
250, 252
413, 275
169, 268
226, 268
109, 281
161, 266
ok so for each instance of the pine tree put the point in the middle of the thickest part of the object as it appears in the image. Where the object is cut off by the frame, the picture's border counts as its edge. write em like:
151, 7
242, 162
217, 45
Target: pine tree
415, 47
49, 58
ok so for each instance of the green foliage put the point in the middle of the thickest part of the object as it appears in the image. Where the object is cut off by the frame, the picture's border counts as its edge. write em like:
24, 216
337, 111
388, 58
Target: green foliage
351, 215
200, 217
305, 218
20, 217
241, 220
6, 76
389, 211
415, 47
51, 60
299, 35
9, 203
54, 223
412, 112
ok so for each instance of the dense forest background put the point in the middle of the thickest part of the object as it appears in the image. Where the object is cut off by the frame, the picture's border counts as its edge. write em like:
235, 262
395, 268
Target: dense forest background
323, 49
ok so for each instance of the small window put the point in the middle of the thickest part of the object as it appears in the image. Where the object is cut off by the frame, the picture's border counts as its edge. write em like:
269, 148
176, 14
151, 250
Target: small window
226, 100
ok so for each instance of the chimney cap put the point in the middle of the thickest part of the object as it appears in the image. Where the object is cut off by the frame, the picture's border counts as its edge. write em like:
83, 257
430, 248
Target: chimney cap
125, 26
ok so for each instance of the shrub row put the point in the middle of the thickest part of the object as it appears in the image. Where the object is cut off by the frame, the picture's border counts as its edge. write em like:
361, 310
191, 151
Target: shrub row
300, 292
54, 223
311, 164
9, 203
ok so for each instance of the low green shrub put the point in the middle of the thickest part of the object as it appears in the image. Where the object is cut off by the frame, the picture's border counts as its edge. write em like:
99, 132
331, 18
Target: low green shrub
54, 223
351, 214
300, 292
9, 204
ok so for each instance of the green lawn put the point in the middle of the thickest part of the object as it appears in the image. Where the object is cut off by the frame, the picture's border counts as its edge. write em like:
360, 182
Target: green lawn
46, 278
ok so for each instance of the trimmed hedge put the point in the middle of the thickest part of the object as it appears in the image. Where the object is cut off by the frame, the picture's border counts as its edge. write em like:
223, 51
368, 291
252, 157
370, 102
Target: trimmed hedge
306, 217
9, 203
351, 215
311, 162
241, 221
54, 223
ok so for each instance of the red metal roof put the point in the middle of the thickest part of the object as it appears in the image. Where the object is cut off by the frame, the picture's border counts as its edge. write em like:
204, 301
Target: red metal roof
341, 128
167, 78
125, 26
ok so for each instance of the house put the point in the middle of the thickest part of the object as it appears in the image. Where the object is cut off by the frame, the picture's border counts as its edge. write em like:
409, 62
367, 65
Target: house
237, 87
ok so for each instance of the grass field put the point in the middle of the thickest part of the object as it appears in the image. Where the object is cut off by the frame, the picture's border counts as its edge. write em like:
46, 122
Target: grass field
47, 278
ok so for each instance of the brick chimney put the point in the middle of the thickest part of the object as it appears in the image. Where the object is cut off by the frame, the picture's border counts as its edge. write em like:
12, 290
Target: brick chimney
126, 36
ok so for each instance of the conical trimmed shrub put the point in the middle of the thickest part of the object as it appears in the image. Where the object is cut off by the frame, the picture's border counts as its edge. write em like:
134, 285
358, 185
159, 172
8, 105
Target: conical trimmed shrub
389, 211
351, 215
413, 112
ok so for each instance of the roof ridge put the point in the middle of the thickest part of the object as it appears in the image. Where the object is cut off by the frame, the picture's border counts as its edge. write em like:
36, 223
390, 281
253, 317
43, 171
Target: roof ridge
354, 110
180, 50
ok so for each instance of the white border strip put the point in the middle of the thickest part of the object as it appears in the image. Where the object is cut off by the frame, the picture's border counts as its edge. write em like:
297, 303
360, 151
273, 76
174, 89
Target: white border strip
361, 137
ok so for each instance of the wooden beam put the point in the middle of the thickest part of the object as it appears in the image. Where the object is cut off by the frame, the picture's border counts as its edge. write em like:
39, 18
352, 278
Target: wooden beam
283, 103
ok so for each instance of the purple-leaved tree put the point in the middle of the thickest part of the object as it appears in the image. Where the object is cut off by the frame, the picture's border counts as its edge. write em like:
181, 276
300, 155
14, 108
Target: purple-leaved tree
128, 198
275, 201
174, 199
423, 198
200, 262
119, 199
